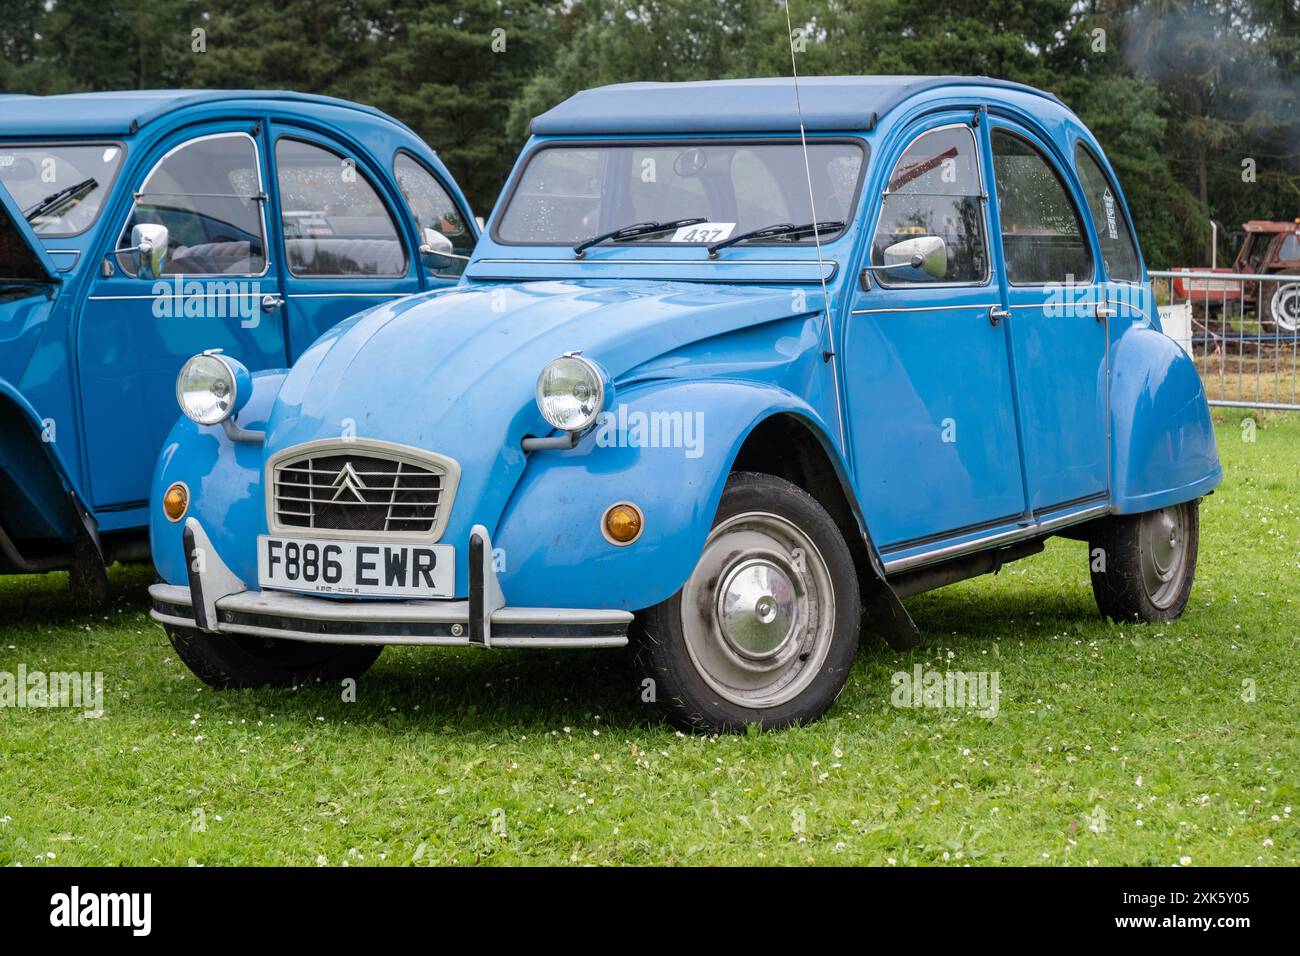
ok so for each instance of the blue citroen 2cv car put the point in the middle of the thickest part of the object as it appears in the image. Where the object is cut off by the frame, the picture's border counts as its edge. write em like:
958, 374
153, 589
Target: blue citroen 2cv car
138, 228
731, 373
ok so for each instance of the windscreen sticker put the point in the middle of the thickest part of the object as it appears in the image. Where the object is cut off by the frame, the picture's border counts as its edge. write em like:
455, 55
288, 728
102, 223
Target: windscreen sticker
704, 232
1108, 201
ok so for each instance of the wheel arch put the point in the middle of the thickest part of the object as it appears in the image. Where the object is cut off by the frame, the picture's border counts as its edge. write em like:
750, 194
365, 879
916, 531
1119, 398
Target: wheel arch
790, 446
794, 447
37, 496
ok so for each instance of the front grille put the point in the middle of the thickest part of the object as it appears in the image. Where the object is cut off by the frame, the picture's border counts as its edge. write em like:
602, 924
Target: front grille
343, 491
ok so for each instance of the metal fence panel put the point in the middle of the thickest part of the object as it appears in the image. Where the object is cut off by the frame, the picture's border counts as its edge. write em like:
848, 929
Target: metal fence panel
1241, 330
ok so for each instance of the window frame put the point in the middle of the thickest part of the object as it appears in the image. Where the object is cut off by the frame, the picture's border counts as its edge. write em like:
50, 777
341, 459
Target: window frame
981, 196
369, 180
470, 224
1087, 236
516, 178
262, 201
1121, 205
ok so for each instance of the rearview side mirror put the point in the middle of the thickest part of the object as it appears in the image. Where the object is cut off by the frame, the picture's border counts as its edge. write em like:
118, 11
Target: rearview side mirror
434, 243
148, 250
927, 253
437, 248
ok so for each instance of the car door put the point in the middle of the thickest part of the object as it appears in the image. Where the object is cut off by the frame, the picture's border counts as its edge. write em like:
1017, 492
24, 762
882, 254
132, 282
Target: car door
207, 186
346, 243
930, 414
1059, 307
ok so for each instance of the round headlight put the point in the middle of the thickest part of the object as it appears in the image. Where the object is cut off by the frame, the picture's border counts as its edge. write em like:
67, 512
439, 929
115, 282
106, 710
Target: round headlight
208, 388
571, 392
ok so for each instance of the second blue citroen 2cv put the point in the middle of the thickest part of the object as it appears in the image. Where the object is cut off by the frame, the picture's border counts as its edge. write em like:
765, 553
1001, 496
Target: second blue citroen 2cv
139, 227
735, 368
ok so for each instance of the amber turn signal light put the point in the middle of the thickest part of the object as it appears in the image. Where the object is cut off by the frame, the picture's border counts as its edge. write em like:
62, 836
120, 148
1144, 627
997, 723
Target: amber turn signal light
176, 501
622, 523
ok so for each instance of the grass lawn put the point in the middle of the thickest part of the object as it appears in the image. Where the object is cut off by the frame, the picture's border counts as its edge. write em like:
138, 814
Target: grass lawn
1113, 744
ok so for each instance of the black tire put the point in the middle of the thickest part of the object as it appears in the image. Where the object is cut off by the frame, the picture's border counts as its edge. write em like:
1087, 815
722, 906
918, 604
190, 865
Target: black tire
227, 661
1122, 564
693, 701
87, 576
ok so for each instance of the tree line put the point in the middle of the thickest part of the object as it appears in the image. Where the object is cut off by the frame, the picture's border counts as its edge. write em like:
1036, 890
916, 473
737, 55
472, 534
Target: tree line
1195, 101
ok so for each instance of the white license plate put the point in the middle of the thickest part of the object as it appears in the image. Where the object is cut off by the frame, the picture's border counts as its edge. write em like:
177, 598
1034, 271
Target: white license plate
372, 568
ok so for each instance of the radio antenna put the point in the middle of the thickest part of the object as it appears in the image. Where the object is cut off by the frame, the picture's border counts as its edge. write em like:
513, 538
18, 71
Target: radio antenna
828, 353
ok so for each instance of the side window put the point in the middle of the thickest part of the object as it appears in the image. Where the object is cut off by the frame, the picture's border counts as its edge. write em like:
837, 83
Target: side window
208, 193
935, 191
1258, 252
1042, 234
1290, 250
1118, 250
335, 224
431, 206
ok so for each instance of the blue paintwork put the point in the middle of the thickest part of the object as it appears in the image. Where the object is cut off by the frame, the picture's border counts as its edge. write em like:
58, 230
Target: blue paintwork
738, 340
87, 361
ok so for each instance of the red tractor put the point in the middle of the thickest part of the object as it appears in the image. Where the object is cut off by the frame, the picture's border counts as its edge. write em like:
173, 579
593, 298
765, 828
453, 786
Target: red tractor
1270, 247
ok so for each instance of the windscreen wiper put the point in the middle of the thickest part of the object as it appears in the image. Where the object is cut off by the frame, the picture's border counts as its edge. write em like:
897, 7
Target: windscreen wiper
632, 231
780, 230
56, 199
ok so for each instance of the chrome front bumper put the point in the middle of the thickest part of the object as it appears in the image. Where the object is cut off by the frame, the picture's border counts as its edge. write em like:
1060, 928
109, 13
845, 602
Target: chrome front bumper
218, 602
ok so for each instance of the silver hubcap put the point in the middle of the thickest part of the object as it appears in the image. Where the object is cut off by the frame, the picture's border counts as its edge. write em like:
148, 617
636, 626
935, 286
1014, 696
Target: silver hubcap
1164, 554
1286, 307
758, 611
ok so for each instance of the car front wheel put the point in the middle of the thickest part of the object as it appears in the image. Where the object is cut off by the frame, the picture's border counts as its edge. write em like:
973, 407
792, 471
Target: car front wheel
765, 629
1143, 565
227, 661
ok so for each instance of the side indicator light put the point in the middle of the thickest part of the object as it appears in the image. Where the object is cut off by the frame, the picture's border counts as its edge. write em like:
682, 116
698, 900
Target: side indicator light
623, 523
176, 501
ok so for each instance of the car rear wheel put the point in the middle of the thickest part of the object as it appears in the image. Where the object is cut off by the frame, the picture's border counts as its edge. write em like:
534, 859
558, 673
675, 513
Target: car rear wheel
227, 661
1143, 565
765, 629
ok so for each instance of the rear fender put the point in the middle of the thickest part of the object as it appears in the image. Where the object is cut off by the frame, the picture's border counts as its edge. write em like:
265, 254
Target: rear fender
1163, 441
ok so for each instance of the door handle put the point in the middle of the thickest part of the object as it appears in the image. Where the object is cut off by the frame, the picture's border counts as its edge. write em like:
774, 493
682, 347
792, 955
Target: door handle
997, 314
271, 302
1104, 312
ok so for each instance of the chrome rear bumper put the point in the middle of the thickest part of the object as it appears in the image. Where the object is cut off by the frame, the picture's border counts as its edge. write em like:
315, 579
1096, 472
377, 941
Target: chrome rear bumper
218, 602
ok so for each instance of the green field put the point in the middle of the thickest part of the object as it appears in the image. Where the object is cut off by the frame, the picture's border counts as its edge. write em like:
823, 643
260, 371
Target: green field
1113, 744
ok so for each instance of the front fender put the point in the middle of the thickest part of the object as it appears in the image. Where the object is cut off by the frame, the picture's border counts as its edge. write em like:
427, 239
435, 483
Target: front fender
225, 484
551, 551
1163, 440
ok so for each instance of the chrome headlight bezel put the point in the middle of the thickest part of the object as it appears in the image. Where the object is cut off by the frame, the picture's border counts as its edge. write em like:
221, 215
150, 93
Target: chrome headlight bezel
229, 373
593, 376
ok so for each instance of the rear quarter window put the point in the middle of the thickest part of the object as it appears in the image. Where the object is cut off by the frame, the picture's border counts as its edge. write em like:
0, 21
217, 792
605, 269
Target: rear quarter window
1118, 247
